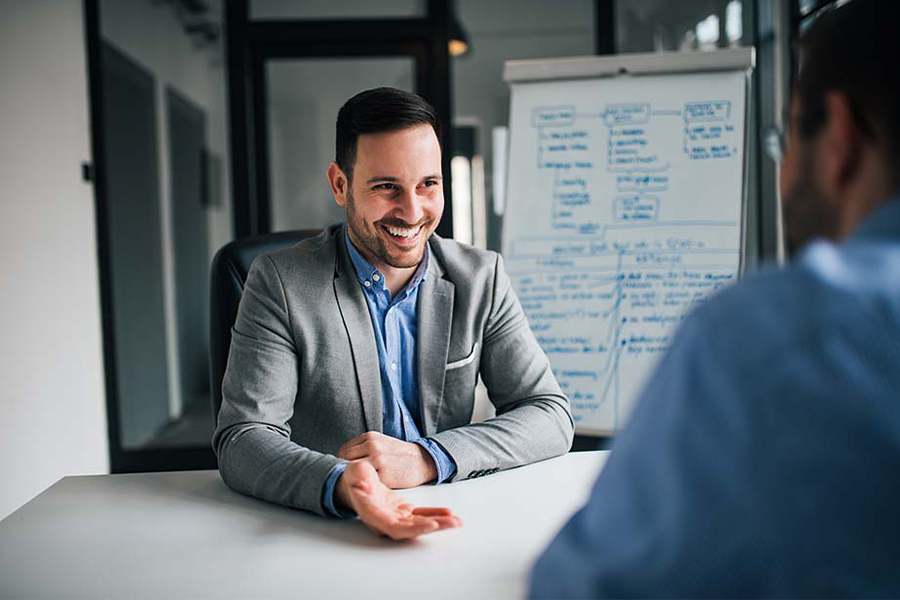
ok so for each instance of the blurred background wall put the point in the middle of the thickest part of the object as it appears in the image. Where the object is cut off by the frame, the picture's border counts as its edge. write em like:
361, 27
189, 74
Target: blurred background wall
52, 413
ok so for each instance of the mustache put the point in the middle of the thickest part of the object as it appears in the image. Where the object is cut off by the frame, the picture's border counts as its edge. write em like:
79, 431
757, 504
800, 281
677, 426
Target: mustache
402, 223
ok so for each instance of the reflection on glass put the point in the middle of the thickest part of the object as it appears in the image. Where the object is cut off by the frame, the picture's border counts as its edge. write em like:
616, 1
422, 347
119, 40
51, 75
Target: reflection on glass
707, 32
479, 203
734, 24
164, 128
304, 96
499, 141
652, 26
461, 172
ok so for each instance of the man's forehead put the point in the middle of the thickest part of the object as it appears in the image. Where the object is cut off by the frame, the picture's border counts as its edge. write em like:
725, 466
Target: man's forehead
410, 148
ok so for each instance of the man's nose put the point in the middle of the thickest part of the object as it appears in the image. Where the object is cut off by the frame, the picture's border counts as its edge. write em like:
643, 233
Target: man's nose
410, 207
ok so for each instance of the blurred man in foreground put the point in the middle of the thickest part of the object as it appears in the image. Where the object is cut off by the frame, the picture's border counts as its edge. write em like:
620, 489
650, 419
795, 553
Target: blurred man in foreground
762, 458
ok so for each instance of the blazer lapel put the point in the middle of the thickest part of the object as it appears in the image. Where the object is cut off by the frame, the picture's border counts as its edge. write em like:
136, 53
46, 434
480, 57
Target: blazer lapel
358, 324
435, 316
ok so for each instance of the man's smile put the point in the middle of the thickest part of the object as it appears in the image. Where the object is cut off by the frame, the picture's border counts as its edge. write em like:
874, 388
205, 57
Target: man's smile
405, 236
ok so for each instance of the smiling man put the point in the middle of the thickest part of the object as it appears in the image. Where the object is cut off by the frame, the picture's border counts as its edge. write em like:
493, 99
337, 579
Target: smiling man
355, 354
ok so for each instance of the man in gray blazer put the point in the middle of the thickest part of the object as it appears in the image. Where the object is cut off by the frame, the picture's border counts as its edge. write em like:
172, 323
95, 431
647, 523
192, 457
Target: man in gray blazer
355, 354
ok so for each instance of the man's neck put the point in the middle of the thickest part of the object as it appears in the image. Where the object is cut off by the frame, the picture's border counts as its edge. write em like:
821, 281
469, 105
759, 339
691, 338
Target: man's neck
396, 278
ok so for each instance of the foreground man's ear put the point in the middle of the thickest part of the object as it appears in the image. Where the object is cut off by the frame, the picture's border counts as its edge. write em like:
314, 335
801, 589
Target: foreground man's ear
340, 185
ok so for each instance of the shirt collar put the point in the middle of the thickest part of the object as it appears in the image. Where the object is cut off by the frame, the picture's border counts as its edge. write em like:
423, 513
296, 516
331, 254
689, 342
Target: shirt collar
370, 277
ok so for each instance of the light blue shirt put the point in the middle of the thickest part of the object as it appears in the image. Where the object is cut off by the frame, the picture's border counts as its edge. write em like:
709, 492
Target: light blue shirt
763, 457
394, 320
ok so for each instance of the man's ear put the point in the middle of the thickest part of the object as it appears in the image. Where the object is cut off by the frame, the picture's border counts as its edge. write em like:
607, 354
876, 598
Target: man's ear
340, 185
840, 143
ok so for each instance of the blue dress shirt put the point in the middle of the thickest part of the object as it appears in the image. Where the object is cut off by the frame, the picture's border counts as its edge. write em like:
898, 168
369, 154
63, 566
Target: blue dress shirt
394, 321
763, 457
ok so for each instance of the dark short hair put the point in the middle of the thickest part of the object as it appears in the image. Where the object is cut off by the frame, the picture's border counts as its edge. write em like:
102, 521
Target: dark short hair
376, 111
854, 49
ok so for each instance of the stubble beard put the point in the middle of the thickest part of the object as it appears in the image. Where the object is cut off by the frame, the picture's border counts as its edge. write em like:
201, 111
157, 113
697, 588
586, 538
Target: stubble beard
375, 246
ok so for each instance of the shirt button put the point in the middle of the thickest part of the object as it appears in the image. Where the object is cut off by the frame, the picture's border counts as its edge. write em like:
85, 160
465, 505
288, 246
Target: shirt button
366, 283
393, 366
376, 277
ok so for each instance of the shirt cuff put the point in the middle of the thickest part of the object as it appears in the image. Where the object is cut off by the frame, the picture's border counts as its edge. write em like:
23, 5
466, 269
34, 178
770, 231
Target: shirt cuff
446, 466
328, 493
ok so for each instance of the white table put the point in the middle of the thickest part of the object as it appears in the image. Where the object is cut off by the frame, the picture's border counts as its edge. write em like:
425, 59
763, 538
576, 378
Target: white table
185, 534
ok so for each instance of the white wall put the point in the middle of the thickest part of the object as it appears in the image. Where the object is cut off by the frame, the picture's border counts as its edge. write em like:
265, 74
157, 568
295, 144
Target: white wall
52, 397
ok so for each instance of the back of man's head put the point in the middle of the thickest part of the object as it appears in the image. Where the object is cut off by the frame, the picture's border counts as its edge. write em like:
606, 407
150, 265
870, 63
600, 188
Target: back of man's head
375, 111
854, 49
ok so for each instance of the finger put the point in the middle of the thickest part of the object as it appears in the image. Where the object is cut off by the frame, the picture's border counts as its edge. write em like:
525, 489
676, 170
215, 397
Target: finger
397, 529
349, 444
368, 436
354, 452
447, 522
432, 511
450, 522
411, 528
398, 526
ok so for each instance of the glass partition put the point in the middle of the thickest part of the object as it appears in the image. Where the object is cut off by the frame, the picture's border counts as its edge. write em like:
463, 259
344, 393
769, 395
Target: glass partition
167, 196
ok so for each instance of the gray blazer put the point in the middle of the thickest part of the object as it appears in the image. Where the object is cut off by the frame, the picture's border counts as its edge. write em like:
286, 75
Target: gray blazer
303, 376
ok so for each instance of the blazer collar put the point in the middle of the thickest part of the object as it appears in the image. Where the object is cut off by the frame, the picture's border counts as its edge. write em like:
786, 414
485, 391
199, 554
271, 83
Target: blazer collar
358, 323
435, 317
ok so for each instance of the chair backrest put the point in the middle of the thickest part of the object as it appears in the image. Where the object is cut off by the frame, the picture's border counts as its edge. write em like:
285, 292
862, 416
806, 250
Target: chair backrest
227, 276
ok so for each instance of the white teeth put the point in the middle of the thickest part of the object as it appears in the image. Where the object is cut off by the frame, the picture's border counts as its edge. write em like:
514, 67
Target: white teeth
404, 232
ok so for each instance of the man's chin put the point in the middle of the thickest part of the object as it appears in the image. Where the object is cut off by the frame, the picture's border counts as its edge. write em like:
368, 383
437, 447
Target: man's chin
404, 258
405, 261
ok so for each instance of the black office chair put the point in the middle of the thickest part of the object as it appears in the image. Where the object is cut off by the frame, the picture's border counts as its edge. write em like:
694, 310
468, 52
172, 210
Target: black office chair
227, 276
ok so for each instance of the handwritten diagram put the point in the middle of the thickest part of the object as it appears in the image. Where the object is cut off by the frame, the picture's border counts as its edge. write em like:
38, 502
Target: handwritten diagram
623, 214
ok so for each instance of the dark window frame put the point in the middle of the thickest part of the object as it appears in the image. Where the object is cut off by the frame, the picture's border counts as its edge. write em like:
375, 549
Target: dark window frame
253, 42
122, 460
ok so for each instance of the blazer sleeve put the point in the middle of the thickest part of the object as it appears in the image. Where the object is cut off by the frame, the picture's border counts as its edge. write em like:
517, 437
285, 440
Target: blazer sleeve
534, 420
252, 439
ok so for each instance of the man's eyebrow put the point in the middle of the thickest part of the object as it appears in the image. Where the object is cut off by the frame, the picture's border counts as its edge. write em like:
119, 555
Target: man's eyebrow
397, 179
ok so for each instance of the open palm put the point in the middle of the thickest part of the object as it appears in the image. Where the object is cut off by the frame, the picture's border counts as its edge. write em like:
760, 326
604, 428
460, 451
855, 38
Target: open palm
385, 512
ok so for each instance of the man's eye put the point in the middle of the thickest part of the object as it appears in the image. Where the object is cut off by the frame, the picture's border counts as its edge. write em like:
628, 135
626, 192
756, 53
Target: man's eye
431, 182
385, 186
